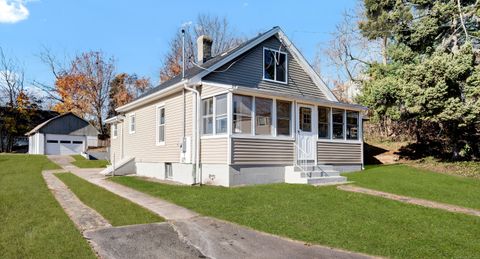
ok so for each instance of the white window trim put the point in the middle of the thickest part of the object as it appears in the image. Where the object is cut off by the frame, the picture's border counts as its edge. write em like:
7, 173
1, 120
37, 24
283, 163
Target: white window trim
157, 124
273, 133
130, 131
215, 133
275, 71
214, 116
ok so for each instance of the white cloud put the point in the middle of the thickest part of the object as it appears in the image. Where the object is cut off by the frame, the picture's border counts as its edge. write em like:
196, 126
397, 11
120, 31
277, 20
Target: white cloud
12, 11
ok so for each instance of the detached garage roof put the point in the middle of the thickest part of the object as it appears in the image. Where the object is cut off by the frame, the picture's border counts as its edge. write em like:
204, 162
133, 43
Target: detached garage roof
65, 124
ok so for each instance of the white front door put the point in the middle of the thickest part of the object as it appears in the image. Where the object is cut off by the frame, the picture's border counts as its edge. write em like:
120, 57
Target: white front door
306, 136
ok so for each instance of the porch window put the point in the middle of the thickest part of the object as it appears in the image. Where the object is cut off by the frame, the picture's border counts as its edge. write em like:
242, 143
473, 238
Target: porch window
160, 125
323, 122
221, 114
263, 116
207, 116
242, 114
337, 123
274, 65
284, 113
352, 125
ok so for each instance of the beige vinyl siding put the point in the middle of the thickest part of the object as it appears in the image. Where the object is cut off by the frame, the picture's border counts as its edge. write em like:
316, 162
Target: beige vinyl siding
208, 90
143, 145
339, 153
214, 150
254, 151
115, 144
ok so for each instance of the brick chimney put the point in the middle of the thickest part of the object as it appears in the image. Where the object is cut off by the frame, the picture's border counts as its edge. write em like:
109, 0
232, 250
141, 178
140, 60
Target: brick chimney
204, 48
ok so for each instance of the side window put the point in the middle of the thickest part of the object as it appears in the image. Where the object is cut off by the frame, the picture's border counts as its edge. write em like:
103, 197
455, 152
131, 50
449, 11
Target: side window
323, 122
132, 124
114, 130
207, 116
160, 125
221, 114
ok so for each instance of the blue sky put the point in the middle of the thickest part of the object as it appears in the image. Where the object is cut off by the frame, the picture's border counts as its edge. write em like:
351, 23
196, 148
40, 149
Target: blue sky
137, 33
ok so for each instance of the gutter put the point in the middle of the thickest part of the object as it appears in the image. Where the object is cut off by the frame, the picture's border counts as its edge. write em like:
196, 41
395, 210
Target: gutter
196, 128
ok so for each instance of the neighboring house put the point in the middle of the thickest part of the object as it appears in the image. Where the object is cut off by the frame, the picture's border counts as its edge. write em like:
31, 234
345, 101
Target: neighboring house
255, 114
65, 134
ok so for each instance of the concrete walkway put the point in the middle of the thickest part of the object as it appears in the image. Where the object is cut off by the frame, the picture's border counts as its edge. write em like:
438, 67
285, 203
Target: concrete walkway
212, 237
82, 216
410, 200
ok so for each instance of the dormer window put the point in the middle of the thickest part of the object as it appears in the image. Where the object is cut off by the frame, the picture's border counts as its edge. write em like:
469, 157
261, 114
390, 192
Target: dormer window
274, 65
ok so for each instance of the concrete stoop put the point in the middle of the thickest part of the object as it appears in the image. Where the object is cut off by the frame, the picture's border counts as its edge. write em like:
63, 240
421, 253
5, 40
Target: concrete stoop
315, 175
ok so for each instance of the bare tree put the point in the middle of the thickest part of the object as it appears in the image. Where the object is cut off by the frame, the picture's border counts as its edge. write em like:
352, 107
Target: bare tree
81, 86
12, 78
217, 28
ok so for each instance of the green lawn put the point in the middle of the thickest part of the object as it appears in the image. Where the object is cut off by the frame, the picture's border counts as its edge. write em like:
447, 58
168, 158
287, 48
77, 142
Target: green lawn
117, 210
325, 215
409, 181
32, 223
81, 162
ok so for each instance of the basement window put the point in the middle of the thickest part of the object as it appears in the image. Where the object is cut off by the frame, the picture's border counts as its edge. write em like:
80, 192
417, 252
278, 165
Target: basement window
274, 65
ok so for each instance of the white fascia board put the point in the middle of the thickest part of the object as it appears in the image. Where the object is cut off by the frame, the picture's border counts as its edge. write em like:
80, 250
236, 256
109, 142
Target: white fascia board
115, 119
323, 102
307, 67
237, 53
153, 96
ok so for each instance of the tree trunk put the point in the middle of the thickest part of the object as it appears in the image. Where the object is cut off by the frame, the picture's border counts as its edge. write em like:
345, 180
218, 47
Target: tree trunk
384, 50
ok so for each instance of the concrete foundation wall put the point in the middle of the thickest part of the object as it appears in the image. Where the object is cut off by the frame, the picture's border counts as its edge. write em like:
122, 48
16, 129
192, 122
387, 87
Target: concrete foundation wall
182, 173
347, 168
250, 175
216, 174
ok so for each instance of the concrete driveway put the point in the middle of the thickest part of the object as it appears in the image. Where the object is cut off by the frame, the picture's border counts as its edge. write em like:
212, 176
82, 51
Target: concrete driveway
186, 234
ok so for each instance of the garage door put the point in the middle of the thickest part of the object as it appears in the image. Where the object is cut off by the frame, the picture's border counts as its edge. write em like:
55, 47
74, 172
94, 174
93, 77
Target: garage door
64, 144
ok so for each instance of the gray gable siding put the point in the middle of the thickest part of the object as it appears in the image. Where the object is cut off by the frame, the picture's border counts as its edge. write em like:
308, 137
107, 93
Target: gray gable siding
69, 125
248, 71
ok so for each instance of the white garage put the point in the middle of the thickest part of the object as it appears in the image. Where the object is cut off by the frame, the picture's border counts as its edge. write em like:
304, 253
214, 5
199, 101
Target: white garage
66, 134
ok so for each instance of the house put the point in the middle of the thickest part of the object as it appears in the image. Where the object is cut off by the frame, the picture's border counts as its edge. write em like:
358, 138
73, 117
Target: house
65, 134
255, 114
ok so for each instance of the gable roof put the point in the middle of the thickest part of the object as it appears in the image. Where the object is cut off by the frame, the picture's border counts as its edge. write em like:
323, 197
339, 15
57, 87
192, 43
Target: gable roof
196, 73
45, 123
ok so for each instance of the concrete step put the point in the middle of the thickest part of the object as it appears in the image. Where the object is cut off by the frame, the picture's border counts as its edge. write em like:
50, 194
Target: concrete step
317, 173
326, 180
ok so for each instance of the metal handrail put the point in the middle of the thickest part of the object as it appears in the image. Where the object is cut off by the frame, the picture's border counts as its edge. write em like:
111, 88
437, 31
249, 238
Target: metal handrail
302, 164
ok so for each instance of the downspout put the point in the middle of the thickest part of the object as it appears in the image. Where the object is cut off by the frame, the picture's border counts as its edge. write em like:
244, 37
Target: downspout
197, 133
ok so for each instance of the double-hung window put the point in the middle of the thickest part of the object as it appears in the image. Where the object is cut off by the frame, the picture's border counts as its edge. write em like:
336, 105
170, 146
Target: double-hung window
242, 114
160, 125
221, 115
263, 116
274, 65
352, 125
323, 122
284, 113
114, 130
207, 116
132, 124
337, 123
214, 115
